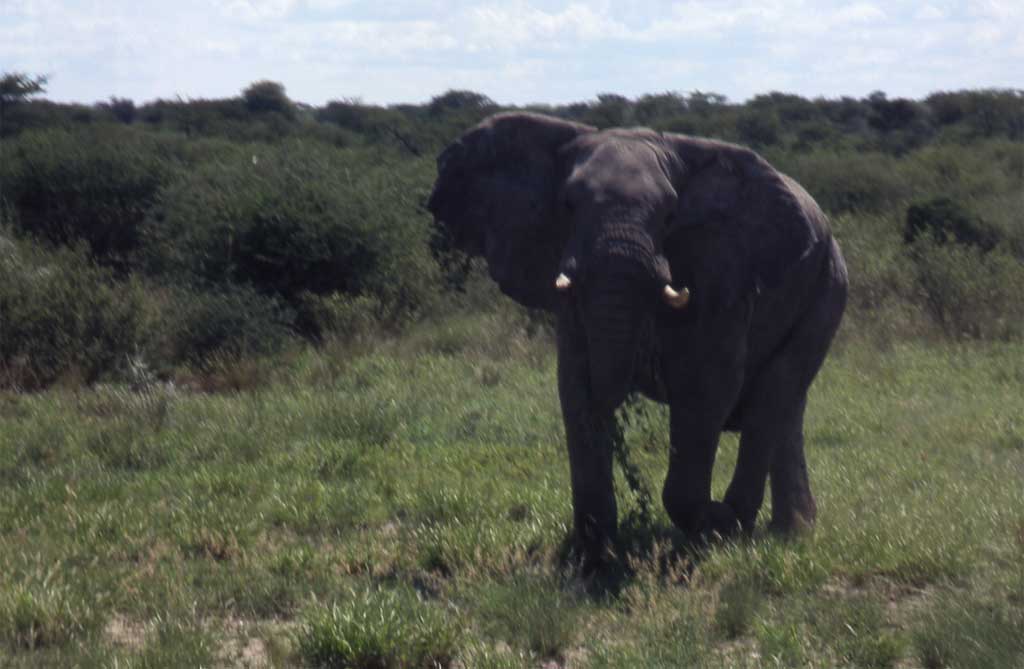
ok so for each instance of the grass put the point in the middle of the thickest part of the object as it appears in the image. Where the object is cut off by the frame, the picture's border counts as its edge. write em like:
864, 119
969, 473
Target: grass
386, 629
407, 504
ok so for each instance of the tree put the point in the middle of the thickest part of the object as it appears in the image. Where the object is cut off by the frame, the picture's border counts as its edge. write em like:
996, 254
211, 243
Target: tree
16, 87
759, 128
889, 115
609, 111
268, 96
460, 100
704, 103
123, 109
651, 110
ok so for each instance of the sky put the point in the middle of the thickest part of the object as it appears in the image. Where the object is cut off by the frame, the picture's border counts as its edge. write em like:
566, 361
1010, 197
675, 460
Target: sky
514, 51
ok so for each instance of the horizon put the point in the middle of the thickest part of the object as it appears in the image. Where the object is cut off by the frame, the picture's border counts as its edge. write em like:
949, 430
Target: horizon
45, 96
519, 53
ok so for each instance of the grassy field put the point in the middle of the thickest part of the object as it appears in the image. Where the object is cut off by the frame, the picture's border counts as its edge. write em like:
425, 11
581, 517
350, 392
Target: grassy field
406, 505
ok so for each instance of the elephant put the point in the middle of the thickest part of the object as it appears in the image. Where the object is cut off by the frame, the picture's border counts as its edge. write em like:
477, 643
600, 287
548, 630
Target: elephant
686, 269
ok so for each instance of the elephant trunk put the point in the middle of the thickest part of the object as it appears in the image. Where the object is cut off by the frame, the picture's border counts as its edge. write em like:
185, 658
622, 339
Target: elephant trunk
612, 339
618, 298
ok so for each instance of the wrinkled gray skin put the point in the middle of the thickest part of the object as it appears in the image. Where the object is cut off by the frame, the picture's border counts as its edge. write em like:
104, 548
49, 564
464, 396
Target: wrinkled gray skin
622, 213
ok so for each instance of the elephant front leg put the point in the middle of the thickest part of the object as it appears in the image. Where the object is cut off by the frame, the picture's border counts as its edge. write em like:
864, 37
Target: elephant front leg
687, 490
595, 514
588, 434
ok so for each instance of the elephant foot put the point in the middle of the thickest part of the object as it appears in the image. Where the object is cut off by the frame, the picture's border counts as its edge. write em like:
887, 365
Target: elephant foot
707, 520
746, 510
594, 548
718, 520
791, 525
793, 519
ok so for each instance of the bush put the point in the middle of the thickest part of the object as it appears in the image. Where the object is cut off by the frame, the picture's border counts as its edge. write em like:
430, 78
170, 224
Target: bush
850, 182
970, 293
341, 316
62, 316
295, 219
944, 220
195, 326
91, 184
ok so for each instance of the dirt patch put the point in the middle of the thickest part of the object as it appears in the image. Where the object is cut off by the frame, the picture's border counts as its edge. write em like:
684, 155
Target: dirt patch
121, 631
252, 644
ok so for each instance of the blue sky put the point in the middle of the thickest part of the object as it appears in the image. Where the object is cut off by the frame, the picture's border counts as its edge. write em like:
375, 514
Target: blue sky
515, 51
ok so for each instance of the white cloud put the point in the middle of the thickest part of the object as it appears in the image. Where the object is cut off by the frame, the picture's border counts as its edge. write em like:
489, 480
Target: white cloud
860, 12
328, 5
699, 19
929, 13
518, 25
257, 10
1004, 10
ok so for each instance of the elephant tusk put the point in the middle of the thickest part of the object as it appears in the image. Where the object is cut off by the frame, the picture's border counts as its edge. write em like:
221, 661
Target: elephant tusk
563, 283
676, 300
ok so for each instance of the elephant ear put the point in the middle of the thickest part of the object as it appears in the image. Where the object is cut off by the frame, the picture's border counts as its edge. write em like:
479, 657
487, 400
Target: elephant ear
495, 196
740, 225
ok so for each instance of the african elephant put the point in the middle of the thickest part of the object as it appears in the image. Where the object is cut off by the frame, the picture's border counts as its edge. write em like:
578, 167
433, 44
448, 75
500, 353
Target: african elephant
687, 269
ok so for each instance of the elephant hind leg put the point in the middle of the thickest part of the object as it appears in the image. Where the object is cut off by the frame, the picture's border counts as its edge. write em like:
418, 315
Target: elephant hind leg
772, 438
769, 441
793, 505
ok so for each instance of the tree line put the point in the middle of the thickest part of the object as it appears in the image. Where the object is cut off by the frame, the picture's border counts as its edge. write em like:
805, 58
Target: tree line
174, 233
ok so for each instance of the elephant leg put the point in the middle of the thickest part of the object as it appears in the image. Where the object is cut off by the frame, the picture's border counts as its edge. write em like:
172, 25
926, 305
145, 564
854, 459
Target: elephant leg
793, 505
773, 414
770, 440
595, 514
589, 440
687, 490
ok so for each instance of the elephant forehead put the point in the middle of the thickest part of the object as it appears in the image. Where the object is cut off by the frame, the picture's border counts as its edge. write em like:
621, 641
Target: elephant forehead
619, 168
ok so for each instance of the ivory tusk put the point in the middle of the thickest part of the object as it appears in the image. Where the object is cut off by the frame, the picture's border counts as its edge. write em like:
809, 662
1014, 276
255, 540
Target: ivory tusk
674, 299
563, 283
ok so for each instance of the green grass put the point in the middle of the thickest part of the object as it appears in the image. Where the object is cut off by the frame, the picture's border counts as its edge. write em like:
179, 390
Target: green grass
378, 629
407, 504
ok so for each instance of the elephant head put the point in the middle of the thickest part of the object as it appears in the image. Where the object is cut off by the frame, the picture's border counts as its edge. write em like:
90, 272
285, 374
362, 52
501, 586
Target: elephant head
604, 220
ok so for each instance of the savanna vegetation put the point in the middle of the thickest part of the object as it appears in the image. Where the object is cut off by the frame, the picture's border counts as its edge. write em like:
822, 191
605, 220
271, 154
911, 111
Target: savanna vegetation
255, 412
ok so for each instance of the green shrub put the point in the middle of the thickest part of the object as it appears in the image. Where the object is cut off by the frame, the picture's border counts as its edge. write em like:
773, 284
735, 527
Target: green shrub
341, 316
197, 326
970, 293
91, 184
296, 219
945, 220
385, 630
849, 181
877, 266
62, 316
